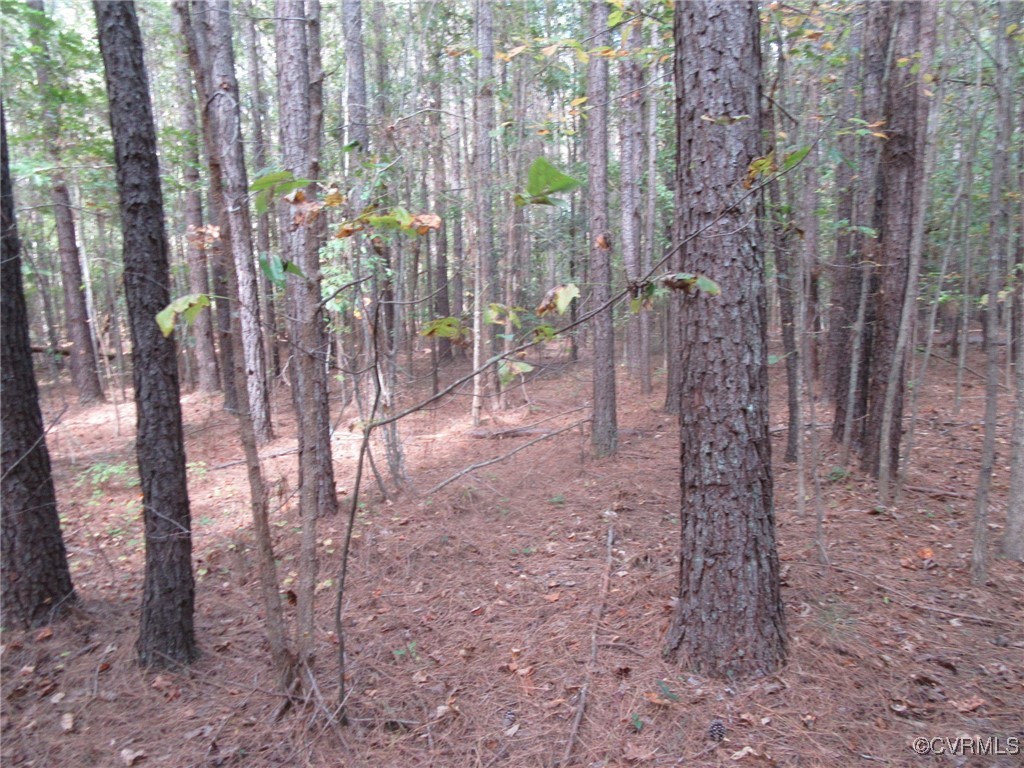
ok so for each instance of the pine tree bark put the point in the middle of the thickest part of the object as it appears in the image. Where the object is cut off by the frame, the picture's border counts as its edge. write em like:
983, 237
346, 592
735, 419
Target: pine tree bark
224, 101
631, 149
84, 366
259, 157
166, 633
309, 341
35, 579
728, 621
198, 268
899, 219
604, 435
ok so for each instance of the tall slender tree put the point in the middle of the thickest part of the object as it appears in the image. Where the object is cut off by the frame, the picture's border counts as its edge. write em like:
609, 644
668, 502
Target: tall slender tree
224, 101
166, 634
84, 369
308, 339
35, 578
728, 621
604, 427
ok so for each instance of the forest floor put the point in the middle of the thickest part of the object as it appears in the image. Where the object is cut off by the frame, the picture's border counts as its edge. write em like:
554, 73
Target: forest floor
481, 618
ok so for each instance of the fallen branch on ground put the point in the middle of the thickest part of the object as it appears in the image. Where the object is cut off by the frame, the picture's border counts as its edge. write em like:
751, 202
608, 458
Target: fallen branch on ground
510, 454
592, 663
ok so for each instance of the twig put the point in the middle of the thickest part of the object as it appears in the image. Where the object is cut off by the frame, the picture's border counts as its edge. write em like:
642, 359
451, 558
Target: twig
968, 369
481, 464
594, 644
937, 493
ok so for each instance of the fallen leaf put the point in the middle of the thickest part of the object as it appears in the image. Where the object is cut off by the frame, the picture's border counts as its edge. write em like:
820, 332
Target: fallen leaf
553, 597
925, 553
657, 699
969, 705
44, 634
634, 753
419, 676
132, 756
512, 730
67, 722
739, 755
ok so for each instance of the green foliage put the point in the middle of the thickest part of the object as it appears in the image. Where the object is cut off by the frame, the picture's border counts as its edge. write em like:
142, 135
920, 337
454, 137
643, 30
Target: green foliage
509, 369
274, 183
275, 268
544, 180
688, 283
188, 307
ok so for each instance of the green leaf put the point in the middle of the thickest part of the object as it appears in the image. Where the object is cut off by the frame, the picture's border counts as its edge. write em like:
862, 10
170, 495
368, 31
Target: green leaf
293, 268
268, 180
635, 305
564, 295
544, 333
709, 286
544, 179
383, 222
188, 306
790, 160
443, 327
509, 369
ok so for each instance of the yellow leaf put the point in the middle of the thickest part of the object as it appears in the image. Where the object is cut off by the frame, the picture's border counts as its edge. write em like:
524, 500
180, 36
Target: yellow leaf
334, 198
577, 102
657, 699
551, 50
515, 52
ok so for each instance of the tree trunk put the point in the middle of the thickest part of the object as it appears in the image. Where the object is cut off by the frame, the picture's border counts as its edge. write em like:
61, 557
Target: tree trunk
483, 213
217, 237
998, 238
259, 158
84, 368
856, 250
224, 102
604, 428
198, 270
308, 340
36, 581
166, 634
900, 221
728, 621
631, 150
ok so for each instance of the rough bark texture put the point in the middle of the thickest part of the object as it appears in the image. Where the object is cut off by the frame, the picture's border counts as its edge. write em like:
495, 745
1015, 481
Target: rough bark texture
897, 217
728, 621
604, 436
218, 246
631, 155
855, 252
224, 102
198, 269
258, 108
309, 342
166, 634
84, 368
35, 578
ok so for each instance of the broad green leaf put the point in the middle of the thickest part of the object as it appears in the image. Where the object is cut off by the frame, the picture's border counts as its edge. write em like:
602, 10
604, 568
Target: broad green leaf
383, 222
270, 179
443, 327
794, 157
544, 333
708, 286
635, 305
293, 268
189, 306
509, 369
544, 179
564, 295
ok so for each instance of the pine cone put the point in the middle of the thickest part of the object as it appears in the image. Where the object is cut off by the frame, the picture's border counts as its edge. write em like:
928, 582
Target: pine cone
716, 731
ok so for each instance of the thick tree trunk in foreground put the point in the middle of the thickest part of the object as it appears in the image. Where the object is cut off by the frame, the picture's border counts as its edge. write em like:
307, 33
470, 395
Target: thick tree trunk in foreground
728, 621
166, 634
35, 578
